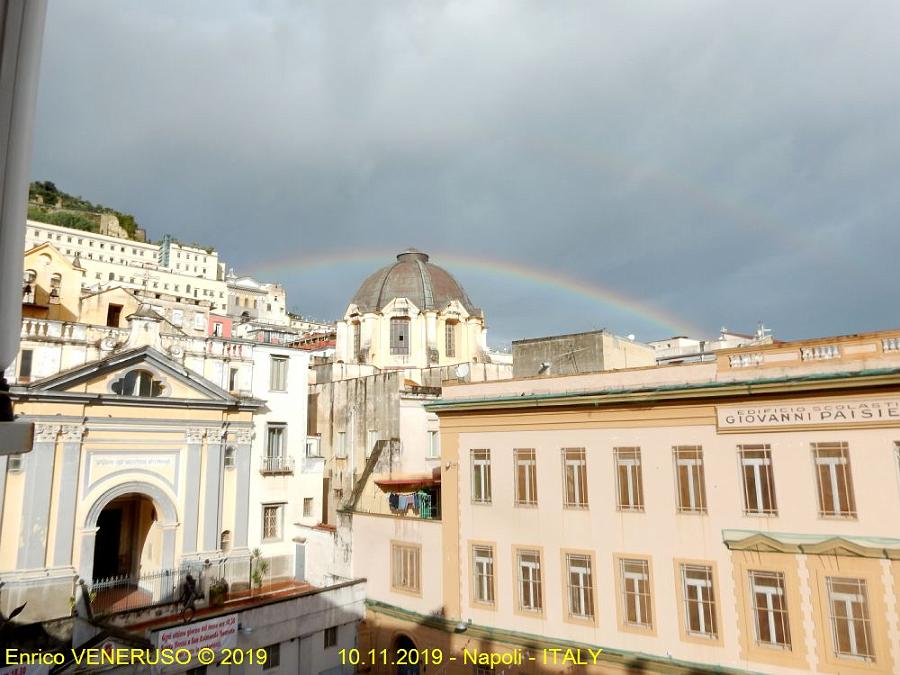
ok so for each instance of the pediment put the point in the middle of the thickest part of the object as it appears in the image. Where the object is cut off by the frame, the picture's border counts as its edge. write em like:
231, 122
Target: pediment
456, 309
400, 307
761, 544
143, 374
837, 546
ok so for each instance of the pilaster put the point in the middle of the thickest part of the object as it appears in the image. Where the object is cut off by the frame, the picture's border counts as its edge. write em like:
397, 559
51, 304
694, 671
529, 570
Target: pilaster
194, 442
244, 438
212, 499
35, 519
67, 496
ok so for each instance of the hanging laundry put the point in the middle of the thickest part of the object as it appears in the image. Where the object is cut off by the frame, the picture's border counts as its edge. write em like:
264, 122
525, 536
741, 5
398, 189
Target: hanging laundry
405, 502
394, 501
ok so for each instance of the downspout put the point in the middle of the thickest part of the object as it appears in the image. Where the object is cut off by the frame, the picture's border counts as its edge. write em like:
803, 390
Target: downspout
22, 25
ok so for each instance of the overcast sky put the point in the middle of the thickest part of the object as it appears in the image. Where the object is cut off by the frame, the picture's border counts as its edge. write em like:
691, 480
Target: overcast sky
717, 162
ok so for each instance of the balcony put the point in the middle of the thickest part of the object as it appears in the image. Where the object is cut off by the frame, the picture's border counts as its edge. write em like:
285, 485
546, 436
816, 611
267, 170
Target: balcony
314, 447
276, 465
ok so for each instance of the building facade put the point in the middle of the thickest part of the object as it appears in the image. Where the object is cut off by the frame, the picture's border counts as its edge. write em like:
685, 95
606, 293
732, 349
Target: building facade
735, 514
184, 272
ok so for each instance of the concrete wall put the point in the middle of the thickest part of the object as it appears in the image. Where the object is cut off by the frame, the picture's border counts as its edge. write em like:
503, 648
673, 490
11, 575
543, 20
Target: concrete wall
578, 353
373, 535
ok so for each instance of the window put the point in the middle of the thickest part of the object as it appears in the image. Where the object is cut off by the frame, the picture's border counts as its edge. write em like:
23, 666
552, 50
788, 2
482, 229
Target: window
14, 463
55, 283
177, 316
138, 383
217, 329
405, 567
635, 579
273, 657
25, 362
225, 540
357, 339
528, 564
897, 453
851, 627
313, 446
574, 478
526, 477
372, 439
278, 370
272, 522
580, 582
699, 600
434, 448
307, 507
770, 609
341, 448
689, 479
481, 476
758, 480
399, 336
629, 479
330, 637
228, 458
834, 480
483, 574
275, 442
113, 315
28, 286
450, 339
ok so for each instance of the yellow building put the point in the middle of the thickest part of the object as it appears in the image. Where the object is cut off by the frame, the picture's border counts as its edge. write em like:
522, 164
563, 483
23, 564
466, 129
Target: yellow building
735, 514
138, 464
51, 285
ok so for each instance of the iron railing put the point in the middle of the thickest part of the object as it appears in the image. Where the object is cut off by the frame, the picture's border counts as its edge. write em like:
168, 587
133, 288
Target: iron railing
126, 592
276, 464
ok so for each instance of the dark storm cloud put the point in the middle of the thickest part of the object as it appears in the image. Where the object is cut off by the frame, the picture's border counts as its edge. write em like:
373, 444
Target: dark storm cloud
725, 162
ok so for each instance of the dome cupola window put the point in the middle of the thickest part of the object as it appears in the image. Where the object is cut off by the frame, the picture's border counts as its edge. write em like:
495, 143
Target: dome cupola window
399, 336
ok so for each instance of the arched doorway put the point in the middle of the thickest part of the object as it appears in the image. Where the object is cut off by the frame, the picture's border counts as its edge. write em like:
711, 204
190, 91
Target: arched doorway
405, 647
127, 538
142, 519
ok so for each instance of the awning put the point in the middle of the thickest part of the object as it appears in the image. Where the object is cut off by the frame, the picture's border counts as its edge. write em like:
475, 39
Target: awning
408, 483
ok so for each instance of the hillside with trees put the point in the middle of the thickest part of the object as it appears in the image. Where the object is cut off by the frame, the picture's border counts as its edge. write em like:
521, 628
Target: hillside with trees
49, 204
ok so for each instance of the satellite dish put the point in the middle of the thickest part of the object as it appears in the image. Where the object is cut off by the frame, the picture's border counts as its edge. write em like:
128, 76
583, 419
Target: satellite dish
462, 370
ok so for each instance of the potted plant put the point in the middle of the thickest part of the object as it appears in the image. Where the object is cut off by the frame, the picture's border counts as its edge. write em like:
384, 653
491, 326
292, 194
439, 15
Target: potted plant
218, 589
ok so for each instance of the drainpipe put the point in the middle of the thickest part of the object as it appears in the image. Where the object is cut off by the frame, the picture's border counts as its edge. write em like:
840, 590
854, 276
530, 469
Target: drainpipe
22, 26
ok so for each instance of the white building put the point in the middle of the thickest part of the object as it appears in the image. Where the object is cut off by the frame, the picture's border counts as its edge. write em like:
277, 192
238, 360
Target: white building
170, 269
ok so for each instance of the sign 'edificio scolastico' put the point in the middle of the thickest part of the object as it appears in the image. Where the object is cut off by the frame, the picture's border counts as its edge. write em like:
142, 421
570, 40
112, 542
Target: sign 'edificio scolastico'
805, 413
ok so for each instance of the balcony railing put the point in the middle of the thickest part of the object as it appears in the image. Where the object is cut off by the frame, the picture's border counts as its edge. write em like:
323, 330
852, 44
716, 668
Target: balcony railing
122, 593
314, 446
276, 464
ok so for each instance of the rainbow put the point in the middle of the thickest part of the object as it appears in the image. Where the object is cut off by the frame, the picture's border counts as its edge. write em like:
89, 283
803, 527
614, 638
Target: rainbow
605, 296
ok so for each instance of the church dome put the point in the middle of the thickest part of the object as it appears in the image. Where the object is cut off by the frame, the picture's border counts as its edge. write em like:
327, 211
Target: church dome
423, 283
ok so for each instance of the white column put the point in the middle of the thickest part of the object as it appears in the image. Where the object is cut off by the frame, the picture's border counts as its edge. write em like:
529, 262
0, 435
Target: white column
20, 55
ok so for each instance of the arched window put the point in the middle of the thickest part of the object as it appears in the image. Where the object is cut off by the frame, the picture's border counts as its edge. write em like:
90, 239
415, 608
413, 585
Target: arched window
138, 383
28, 286
55, 282
112, 277
225, 540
